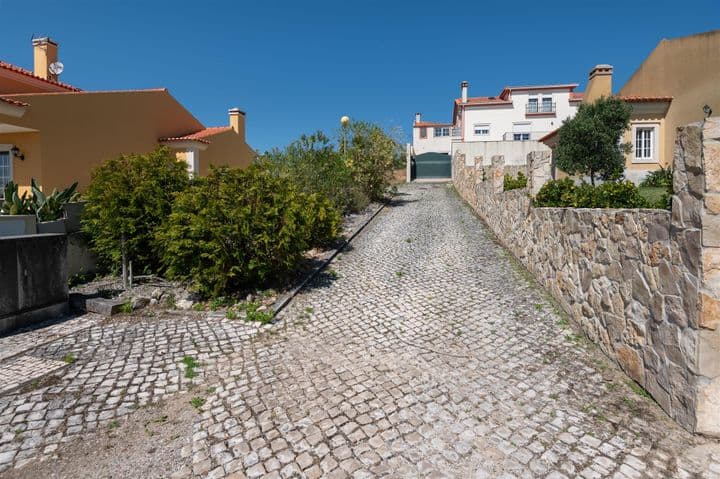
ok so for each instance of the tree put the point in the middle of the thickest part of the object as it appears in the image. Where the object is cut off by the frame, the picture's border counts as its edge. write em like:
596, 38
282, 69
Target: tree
127, 199
589, 143
371, 155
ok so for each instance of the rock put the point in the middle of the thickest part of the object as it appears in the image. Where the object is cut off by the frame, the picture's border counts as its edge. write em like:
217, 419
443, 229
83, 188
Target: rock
140, 302
106, 307
156, 294
184, 304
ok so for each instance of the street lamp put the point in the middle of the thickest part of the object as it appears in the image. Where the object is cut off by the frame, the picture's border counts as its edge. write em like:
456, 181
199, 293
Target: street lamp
344, 122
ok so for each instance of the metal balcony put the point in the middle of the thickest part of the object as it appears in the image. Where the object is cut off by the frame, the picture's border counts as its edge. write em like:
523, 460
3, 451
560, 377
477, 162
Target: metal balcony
540, 108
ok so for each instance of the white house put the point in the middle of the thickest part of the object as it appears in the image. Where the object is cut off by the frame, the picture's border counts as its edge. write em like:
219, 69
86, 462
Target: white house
508, 124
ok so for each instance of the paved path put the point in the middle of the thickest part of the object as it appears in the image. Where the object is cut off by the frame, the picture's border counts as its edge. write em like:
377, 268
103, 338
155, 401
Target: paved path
423, 352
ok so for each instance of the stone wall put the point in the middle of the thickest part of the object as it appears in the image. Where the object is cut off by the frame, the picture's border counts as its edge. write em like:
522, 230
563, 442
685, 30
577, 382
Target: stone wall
642, 284
33, 279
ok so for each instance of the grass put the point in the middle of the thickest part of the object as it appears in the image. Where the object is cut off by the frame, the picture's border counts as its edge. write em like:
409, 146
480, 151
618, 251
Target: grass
197, 402
231, 314
637, 389
652, 193
113, 425
190, 365
253, 314
170, 302
399, 274
69, 358
126, 307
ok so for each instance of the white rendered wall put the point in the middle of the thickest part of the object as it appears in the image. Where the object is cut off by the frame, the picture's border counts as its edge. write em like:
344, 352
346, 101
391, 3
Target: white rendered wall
431, 144
515, 152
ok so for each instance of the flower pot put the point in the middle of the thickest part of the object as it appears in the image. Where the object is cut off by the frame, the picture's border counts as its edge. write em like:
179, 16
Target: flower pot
15, 225
73, 211
57, 226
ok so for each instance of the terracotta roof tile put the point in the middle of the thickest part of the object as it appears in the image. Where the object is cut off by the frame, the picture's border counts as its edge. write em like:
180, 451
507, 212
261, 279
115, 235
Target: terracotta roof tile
577, 96
14, 102
430, 123
645, 99
484, 100
22, 71
199, 135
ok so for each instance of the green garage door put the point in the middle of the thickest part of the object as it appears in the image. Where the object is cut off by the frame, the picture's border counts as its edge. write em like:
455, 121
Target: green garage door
432, 165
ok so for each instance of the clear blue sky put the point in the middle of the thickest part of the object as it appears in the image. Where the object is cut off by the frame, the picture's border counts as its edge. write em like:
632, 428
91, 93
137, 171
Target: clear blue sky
297, 66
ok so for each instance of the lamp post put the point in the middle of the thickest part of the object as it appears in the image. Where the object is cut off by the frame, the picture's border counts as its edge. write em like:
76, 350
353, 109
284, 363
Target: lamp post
344, 122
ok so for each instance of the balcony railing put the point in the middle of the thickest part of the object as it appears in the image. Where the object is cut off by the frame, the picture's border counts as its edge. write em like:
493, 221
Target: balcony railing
539, 109
534, 136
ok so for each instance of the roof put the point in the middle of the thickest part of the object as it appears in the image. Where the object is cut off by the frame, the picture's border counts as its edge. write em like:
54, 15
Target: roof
199, 135
13, 102
549, 135
484, 100
506, 91
28, 73
418, 124
577, 96
646, 99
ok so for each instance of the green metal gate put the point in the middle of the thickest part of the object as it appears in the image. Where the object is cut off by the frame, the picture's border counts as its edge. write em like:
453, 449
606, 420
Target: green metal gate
432, 165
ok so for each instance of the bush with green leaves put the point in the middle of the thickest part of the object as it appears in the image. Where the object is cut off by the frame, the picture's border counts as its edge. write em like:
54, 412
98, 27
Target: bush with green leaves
659, 178
127, 199
589, 143
370, 153
316, 166
564, 193
242, 228
46, 207
510, 183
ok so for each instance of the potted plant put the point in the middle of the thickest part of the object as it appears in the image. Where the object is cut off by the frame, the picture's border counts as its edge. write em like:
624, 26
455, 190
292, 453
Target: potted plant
16, 215
49, 209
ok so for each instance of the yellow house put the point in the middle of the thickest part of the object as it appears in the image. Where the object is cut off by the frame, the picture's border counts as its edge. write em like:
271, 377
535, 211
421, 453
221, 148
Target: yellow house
677, 84
57, 133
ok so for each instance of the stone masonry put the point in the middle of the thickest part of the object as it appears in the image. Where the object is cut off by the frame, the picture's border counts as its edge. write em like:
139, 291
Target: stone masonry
643, 284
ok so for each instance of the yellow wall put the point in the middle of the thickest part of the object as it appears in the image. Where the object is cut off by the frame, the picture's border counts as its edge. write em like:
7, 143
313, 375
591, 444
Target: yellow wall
688, 69
663, 158
227, 148
78, 131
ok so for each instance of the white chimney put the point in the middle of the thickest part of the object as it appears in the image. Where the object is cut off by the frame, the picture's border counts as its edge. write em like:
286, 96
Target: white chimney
417, 117
463, 90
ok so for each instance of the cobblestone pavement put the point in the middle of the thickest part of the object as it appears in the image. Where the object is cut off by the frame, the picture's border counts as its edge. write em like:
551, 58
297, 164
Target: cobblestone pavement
423, 352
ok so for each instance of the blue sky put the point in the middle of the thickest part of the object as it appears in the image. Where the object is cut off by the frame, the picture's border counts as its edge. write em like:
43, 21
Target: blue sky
297, 66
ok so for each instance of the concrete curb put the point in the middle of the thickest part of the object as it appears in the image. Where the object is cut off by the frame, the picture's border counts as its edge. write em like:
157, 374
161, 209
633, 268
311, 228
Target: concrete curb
281, 303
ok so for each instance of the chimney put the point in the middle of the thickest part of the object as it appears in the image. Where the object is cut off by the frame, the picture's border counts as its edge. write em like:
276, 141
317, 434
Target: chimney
463, 91
237, 121
45, 52
599, 83
417, 118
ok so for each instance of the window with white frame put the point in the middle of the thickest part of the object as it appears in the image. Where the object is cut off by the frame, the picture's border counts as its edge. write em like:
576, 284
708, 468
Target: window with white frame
423, 132
442, 131
547, 104
481, 129
5, 169
645, 143
532, 106
521, 136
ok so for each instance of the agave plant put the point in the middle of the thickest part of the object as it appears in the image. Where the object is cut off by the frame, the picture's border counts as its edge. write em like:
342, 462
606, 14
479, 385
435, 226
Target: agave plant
13, 203
50, 207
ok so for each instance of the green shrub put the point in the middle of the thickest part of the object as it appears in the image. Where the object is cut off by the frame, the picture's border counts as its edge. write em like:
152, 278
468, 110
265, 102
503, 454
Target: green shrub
555, 193
46, 207
317, 167
128, 198
239, 228
564, 193
510, 183
371, 154
659, 178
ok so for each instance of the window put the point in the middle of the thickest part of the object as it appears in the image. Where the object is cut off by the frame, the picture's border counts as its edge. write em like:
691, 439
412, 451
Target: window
442, 131
547, 105
5, 170
521, 136
532, 106
481, 129
644, 144
423, 132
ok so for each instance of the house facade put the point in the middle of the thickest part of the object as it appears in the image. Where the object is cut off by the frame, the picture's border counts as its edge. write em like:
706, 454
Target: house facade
508, 124
675, 85
58, 133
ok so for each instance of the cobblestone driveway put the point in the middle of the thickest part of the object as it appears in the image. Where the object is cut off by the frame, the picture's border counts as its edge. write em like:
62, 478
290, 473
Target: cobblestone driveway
423, 352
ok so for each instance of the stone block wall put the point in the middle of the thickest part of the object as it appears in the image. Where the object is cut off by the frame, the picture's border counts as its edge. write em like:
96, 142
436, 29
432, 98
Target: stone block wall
642, 284
33, 279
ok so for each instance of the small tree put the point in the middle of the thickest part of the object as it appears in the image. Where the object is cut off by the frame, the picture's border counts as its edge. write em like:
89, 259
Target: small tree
128, 198
589, 143
371, 155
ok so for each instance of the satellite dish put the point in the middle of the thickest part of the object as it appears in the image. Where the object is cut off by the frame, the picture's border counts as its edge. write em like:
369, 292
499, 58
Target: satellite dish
56, 68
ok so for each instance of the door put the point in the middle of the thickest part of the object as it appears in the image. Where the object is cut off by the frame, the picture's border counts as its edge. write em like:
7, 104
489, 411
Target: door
433, 166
